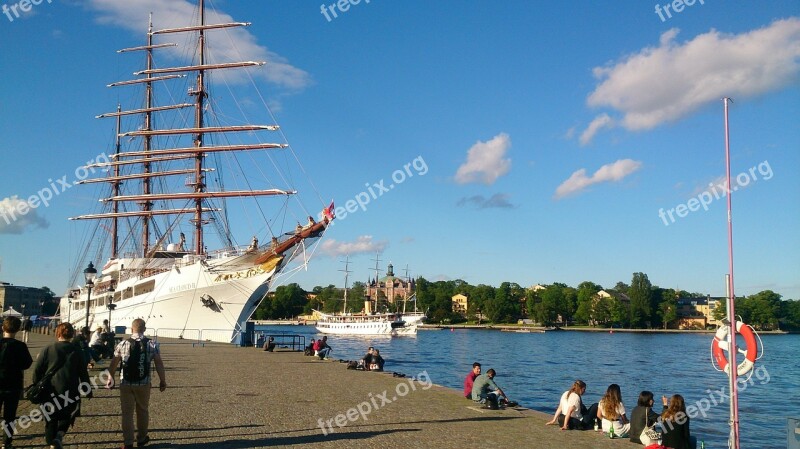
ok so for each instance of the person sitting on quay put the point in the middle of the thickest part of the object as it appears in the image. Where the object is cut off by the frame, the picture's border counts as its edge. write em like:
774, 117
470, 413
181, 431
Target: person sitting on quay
611, 411
675, 424
485, 390
376, 361
97, 344
269, 346
470, 379
642, 415
321, 348
571, 413
310, 348
364, 362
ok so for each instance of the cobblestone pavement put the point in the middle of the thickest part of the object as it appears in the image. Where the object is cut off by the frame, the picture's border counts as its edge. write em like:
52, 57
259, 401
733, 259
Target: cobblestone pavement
221, 396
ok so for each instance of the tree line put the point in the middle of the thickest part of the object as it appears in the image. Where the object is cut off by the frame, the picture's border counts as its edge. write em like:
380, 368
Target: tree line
636, 305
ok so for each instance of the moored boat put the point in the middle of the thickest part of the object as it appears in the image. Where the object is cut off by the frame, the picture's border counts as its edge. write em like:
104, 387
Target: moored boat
155, 178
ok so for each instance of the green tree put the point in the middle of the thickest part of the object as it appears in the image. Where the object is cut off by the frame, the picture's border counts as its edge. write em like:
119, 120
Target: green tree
504, 307
668, 310
532, 300
791, 314
765, 309
586, 299
640, 294
288, 301
546, 311
479, 296
619, 312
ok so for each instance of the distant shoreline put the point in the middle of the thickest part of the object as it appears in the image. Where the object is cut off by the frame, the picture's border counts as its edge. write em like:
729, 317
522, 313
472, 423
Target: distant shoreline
539, 329
526, 329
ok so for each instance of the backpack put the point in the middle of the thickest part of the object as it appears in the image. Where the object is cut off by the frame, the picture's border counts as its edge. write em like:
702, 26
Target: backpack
137, 367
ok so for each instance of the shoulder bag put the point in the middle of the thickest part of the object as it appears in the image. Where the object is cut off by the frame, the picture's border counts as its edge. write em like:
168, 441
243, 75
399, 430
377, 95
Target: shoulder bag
649, 435
41, 391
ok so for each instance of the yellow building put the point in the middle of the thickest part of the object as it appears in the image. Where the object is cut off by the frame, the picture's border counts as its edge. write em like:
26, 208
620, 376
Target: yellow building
460, 303
697, 313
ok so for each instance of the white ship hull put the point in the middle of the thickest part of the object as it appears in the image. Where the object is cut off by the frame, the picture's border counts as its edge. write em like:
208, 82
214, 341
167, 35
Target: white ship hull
196, 300
364, 325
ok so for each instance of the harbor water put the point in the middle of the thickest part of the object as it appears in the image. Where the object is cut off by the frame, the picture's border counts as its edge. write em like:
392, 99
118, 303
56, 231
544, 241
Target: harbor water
534, 369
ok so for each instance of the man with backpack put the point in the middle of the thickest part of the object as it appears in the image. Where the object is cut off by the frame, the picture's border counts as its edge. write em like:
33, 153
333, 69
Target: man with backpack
136, 355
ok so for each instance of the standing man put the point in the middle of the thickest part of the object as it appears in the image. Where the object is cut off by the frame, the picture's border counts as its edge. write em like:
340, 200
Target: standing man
14, 359
27, 326
470, 379
136, 354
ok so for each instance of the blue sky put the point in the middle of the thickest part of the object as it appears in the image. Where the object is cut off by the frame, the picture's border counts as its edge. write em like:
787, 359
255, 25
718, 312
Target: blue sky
543, 138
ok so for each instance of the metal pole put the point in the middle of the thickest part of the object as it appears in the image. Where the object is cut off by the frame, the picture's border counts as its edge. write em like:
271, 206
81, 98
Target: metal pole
88, 301
732, 366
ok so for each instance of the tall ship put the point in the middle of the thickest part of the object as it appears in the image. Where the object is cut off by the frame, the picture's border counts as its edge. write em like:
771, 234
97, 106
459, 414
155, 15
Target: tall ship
173, 192
367, 322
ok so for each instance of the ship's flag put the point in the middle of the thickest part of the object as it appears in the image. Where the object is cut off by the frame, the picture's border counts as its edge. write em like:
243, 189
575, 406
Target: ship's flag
329, 212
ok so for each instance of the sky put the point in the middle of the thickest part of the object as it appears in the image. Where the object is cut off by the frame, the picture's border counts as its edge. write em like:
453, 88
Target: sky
529, 142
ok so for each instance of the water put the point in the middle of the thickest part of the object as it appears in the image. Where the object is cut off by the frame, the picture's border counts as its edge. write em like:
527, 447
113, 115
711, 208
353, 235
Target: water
535, 369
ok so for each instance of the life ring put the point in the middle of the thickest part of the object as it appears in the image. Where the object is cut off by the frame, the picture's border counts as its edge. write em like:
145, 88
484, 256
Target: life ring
721, 345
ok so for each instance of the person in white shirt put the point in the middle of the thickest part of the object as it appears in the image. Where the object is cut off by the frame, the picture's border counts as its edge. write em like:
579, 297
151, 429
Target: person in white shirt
97, 344
571, 413
612, 412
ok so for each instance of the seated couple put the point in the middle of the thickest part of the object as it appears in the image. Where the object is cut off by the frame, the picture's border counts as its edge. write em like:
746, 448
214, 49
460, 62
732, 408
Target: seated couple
372, 361
321, 348
571, 413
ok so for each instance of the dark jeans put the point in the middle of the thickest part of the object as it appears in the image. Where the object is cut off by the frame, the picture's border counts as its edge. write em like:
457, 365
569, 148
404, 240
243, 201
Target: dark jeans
586, 422
9, 401
60, 422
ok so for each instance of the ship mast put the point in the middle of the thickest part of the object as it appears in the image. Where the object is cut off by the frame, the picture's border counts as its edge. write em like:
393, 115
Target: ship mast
346, 272
115, 191
377, 279
148, 162
200, 93
146, 205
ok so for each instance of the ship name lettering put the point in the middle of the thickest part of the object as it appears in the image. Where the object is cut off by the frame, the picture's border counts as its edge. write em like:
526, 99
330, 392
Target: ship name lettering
184, 287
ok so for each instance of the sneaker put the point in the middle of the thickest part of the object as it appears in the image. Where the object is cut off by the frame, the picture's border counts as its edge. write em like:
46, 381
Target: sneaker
127, 446
144, 442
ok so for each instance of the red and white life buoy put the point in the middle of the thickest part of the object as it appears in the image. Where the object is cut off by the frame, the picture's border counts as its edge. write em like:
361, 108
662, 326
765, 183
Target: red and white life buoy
721, 345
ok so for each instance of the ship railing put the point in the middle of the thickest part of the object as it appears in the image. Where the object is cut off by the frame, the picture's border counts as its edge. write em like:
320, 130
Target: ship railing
292, 342
228, 252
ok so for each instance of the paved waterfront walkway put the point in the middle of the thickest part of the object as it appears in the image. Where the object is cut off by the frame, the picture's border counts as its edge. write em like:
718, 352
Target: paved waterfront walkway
220, 396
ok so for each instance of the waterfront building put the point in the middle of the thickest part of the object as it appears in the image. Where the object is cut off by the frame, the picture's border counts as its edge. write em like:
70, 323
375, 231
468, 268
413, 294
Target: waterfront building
390, 288
697, 313
26, 300
460, 304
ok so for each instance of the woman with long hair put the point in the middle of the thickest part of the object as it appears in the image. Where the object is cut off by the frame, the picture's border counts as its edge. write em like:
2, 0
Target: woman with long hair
675, 423
69, 378
611, 411
642, 415
571, 413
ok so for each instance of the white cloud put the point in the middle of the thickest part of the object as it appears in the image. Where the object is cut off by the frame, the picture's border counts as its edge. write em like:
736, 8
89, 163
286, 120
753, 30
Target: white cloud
13, 221
601, 121
668, 82
362, 245
615, 171
227, 45
485, 161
